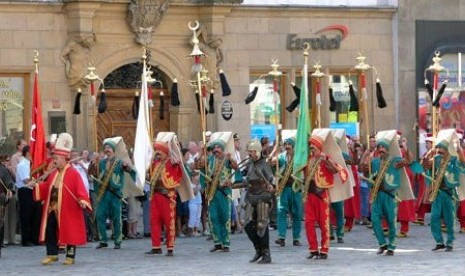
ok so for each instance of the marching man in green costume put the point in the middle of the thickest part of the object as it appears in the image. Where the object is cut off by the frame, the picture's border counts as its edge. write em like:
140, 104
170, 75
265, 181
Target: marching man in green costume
449, 163
289, 200
218, 193
109, 188
386, 170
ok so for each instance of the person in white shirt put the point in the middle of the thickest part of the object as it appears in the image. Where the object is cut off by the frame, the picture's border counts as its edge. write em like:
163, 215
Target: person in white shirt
29, 211
79, 165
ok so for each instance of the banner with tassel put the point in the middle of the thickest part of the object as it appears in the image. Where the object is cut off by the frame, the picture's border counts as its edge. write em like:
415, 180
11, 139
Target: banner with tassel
162, 105
332, 101
437, 100
224, 84
379, 95
102, 106
77, 102
353, 98
135, 105
295, 103
175, 94
251, 96
211, 103
430, 89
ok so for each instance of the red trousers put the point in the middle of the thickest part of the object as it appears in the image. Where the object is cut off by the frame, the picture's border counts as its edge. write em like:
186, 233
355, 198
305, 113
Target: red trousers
422, 210
163, 212
461, 214
317, 211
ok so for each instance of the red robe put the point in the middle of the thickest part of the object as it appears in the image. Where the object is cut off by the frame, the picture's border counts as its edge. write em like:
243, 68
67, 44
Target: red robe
406, 208
70, 216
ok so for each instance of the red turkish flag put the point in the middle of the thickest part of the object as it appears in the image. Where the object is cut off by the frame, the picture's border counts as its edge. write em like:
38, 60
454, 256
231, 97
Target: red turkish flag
37, 139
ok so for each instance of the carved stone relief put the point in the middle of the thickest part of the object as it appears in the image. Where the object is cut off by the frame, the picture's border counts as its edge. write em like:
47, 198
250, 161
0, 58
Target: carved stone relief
144, 16
75, 56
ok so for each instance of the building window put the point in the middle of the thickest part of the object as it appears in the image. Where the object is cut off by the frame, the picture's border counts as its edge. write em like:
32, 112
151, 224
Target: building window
266, 111
340, 84
13, 97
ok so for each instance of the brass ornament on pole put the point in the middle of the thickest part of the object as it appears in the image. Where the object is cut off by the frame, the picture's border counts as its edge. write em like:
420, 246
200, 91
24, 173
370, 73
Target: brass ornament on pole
92, 77
318, 75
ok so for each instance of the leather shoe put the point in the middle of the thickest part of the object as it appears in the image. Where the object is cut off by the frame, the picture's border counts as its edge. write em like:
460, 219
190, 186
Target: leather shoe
101, 245
296, 243
340, 240
448, 248
217, 247
280, 242
68, 261
117, 246
313, 255
438, 247
154, 251
169, 253
381, 249
49, 259
390, 252
225, 249
323, 256
257, 256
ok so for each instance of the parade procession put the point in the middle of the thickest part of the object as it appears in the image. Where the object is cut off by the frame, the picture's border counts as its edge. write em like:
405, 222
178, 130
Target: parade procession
231, 137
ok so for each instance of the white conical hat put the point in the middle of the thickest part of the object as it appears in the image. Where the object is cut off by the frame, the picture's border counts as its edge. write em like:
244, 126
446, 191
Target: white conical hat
391, 138
64, 144
121, 152
340, 135
170, 138
340, 191
448, 138
227, 138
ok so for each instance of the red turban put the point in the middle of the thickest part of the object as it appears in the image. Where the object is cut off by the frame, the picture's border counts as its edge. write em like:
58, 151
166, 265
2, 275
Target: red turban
317, 142
162, 147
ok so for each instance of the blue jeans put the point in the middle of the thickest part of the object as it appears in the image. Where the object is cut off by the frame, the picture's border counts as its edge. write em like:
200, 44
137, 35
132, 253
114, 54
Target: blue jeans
364, 201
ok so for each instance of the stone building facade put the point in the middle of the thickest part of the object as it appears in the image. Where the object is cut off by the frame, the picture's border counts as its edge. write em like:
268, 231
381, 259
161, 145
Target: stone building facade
240, 40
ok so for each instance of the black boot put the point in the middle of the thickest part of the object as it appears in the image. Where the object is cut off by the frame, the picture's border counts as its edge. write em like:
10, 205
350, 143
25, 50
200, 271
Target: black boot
266, 257
381, 249
258, 255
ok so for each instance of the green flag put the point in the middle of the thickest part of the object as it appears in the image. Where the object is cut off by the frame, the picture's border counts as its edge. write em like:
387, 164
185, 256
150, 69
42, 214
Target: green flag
303, 125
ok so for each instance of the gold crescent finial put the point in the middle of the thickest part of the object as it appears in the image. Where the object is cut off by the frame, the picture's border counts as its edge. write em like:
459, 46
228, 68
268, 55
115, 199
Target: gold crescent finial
195, 27
306, 46
35, 56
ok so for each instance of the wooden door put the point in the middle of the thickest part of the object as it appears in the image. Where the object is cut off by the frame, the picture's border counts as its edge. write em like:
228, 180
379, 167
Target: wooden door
118, 120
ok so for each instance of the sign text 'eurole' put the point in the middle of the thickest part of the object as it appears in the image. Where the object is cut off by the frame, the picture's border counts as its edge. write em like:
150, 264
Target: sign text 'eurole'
328, 38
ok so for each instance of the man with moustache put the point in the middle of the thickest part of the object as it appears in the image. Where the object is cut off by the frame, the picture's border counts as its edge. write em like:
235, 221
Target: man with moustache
109, 189
385, 170
220, 165
449, 163
64, 197
259, 179
165, 178
289, 200
319, 174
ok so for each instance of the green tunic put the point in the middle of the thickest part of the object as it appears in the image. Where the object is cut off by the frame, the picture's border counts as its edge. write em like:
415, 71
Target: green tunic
109, 204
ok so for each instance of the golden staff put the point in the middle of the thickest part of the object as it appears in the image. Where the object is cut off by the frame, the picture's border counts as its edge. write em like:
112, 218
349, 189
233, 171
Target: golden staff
318, 75
362, 67
92, 77
275, 73
197, 54
436, 68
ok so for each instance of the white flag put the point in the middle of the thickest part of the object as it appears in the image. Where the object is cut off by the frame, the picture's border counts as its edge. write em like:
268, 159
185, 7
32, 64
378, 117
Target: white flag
143, 150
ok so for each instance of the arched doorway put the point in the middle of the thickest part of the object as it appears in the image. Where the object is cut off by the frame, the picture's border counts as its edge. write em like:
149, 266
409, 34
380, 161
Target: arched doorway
118, 119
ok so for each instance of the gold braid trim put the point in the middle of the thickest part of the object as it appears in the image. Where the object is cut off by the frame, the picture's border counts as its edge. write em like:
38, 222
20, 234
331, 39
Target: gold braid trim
106, 181
159, 168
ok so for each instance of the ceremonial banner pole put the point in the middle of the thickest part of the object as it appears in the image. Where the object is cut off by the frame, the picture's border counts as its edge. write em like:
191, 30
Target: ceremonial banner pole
275, 73
434, 93
92, 77
197, 55
318, 75
362, 67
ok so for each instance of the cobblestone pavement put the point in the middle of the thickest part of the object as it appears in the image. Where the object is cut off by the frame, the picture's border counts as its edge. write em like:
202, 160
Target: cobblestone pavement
357, 256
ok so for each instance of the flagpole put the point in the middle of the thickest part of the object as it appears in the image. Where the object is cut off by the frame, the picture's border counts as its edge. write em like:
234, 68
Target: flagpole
92, 77
197, 54
318, 75
362, 67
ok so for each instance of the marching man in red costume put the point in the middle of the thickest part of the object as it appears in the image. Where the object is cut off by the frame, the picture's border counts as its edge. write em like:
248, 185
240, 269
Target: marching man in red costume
64, 197
319, 177
166, 176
